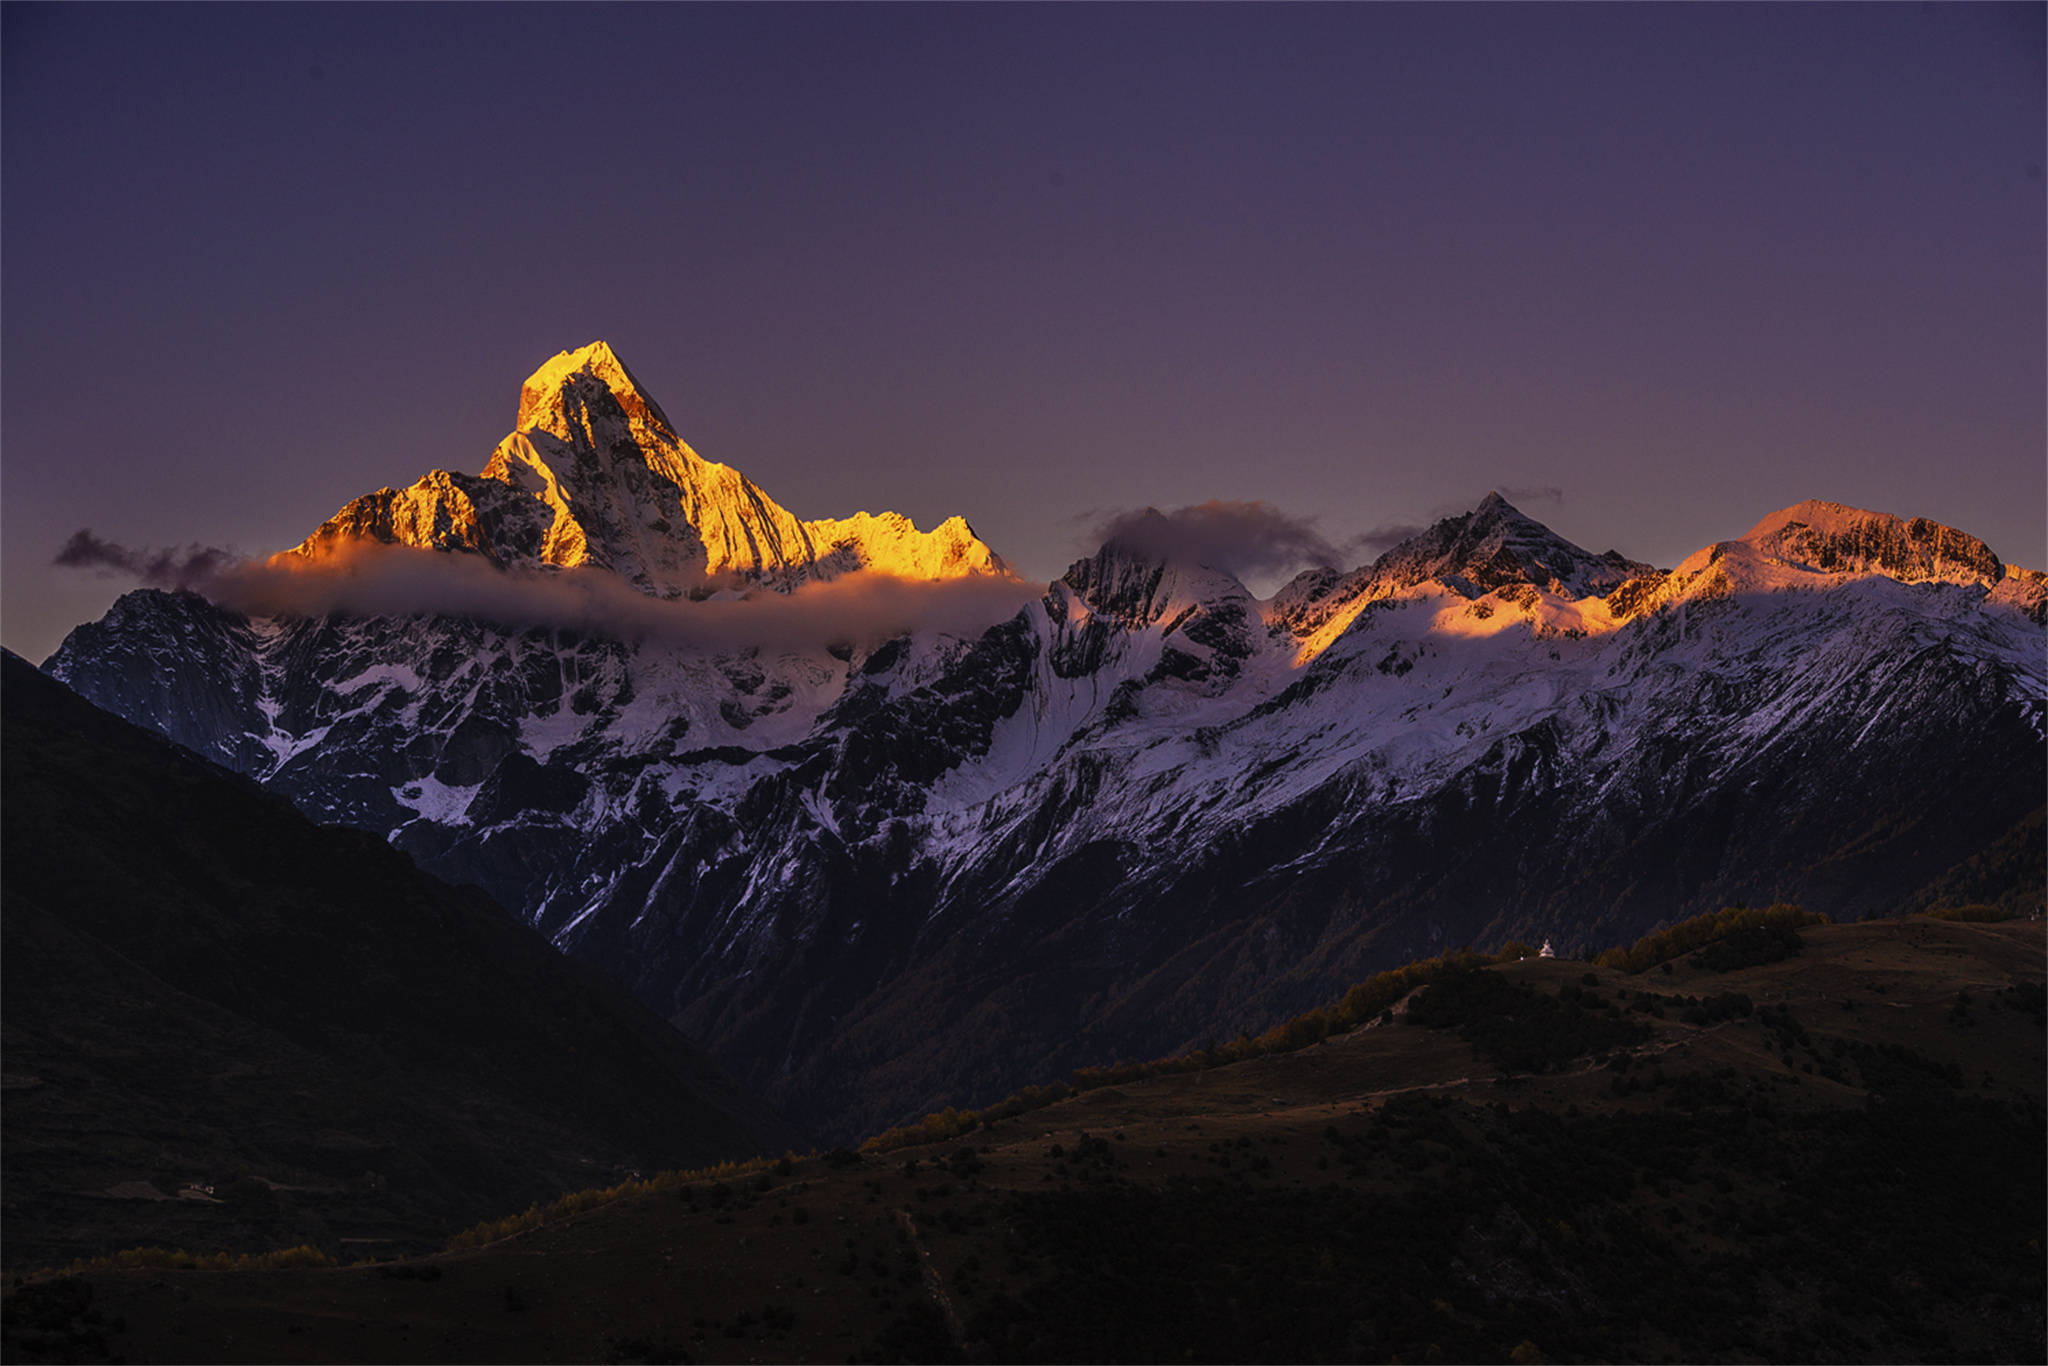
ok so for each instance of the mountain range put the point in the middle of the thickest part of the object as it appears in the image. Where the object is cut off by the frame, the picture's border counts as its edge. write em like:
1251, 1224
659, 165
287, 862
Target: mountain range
883, 862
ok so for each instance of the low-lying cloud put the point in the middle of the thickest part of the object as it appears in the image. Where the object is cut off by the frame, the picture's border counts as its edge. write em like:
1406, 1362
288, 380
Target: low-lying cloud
369, 579
172, 567
1244, 539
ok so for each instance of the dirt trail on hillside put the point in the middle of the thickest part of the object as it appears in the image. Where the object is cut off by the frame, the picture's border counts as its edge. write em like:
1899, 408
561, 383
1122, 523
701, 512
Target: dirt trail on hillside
932, 1284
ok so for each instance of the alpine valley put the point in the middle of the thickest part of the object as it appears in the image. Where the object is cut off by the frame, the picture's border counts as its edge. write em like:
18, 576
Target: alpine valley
929, 833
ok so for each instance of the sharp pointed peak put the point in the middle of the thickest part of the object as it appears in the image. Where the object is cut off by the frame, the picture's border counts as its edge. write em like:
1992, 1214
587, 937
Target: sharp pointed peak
598, 361
1497, 544
594, 357
1493, 516
1495, 507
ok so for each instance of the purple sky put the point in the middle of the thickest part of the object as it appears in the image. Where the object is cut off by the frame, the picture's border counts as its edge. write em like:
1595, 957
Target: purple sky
1684, 264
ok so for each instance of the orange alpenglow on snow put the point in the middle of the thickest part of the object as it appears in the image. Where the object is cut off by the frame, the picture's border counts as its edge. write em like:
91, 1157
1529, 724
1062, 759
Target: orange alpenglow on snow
595, 475
1494, 571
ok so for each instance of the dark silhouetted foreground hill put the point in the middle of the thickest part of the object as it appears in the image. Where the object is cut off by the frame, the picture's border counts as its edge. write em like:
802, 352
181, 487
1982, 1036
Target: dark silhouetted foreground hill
203, 987
1830, 1155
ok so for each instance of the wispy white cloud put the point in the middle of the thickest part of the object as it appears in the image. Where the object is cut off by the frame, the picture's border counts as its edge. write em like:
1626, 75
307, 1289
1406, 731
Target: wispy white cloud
383, 580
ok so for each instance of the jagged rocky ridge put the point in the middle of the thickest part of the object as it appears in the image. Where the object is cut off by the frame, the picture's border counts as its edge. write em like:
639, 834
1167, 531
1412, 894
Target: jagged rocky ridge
1149, 808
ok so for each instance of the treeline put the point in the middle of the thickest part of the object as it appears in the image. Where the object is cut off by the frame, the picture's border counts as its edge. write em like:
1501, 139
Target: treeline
1755, 935
1976, 913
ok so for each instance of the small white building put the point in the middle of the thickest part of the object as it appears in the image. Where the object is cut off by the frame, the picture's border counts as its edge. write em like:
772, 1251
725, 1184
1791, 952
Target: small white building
1546, 951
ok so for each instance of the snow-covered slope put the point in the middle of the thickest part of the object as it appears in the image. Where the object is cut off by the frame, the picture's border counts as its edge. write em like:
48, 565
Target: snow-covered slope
1492, 556
1147, 809
595, 475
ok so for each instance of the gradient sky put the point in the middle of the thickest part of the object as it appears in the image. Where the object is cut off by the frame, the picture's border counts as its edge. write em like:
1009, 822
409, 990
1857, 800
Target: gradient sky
1681, 264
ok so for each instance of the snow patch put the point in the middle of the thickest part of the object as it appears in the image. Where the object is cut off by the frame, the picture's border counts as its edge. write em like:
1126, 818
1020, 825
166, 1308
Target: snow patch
433, 800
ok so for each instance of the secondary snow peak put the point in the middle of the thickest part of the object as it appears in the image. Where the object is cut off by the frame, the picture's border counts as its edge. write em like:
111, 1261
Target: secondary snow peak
1497, 545
1831, 538
1151, 566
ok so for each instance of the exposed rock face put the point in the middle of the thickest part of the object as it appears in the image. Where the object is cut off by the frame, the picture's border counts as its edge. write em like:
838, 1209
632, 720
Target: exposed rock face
2024, 591
1495, 546
1494, 552
179, 665
887, 876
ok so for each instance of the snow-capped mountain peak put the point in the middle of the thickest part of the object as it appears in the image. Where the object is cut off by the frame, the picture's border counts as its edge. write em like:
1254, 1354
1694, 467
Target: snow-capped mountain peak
1139, 576
540, 397
1816, 545
1497, 545
594, 475
1505, 564
1830, 538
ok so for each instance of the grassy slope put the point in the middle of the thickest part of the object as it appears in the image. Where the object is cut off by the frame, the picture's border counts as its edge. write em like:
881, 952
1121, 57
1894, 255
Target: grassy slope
1851, 1171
